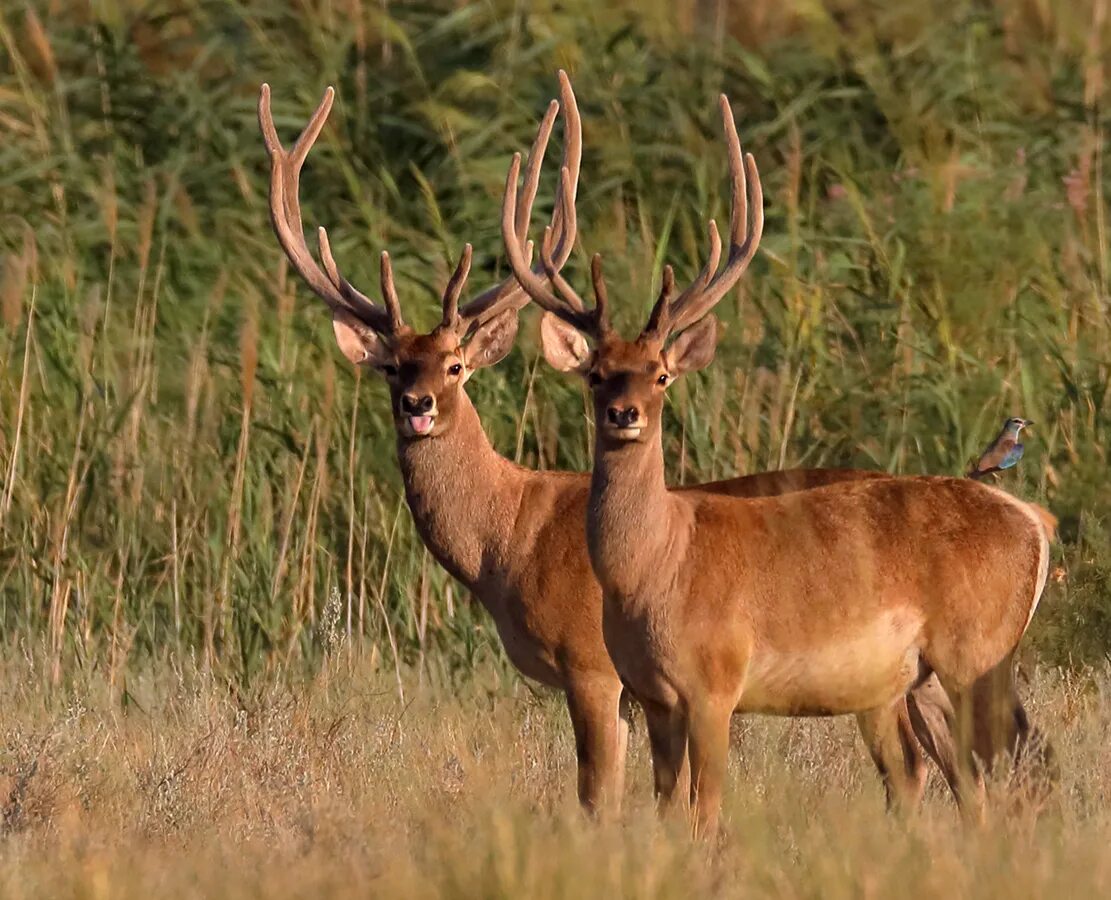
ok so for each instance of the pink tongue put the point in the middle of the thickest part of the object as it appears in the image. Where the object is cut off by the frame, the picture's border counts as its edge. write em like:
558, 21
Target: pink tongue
421, 424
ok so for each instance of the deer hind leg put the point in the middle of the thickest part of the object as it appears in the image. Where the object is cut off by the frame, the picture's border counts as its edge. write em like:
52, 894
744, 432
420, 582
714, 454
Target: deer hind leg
624, 722
931, 717
1003, 728
890, 739
708, 746
667, 736
595, 707
967, 779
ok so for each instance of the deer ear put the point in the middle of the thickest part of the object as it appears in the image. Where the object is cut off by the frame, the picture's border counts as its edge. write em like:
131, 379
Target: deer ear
565, 349
492, 341
694, 348
356, 340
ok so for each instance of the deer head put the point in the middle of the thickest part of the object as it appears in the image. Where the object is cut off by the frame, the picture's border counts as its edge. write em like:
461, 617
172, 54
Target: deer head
426, 373
628, 379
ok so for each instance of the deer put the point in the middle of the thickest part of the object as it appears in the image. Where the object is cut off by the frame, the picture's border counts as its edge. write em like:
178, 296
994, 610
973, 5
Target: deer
516, 538
840, 599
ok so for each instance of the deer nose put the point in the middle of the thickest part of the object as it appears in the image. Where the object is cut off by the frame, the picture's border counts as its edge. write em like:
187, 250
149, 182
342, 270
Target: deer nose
416, 406
623, 418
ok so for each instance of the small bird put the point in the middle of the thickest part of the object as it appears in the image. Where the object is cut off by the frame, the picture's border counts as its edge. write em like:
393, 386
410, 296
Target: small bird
1002, 453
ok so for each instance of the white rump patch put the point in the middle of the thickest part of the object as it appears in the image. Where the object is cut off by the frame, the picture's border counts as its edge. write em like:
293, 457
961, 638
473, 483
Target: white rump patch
1043, 549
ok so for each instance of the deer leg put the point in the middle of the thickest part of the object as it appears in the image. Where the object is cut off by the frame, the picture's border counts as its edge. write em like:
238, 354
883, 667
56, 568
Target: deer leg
995, 729
624, 720
594, 705
931, 716
708, 746
1001, 722
968, 779
1003, 727
890, 740
667, 736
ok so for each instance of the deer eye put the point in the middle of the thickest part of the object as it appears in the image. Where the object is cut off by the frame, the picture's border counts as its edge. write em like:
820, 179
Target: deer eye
594, 379
455, 368
389, 370
662, 380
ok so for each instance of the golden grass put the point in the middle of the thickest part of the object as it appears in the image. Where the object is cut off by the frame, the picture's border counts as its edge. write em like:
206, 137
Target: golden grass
334, 787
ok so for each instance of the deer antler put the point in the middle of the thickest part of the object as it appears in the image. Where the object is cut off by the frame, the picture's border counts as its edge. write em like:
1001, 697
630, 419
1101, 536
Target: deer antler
330, 285
669, 313
710, 286
519, 211
285, 215
562, 301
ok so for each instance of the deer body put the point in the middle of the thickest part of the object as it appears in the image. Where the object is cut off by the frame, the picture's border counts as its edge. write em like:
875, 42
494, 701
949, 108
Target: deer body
516, 538
836, 600
839, 599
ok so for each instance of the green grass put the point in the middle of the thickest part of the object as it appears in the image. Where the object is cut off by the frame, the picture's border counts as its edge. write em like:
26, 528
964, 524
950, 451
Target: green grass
191, 471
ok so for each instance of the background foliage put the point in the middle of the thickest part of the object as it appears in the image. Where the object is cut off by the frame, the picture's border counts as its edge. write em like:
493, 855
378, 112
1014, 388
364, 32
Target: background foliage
189, 469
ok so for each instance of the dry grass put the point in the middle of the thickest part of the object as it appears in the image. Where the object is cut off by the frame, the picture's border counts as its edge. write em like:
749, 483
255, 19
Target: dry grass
335, 787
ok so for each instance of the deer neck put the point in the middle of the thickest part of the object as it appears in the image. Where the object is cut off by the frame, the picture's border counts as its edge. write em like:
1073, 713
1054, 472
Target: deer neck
463, 495
632, 530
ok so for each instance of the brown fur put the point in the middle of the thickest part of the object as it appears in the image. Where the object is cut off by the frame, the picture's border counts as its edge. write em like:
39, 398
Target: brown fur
516, 538
842, 598
832, 600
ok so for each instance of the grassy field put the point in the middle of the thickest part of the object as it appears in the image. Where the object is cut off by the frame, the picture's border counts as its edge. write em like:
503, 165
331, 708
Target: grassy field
333, 787
231, 666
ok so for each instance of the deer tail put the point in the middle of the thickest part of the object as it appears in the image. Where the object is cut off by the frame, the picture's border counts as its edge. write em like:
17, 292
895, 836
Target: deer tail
1048, 520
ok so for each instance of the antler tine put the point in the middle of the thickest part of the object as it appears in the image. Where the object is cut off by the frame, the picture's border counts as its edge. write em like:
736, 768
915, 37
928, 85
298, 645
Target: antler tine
392, 322
455, 288
551, 269
601, 295
662, 313
532, 170
567, 293
658, 318
389, 292
598, 279
529, 279
705, 292
510, 292
285, 216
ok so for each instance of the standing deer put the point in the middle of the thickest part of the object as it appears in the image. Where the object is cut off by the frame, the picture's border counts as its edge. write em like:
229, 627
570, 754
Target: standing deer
516, 538
839, 599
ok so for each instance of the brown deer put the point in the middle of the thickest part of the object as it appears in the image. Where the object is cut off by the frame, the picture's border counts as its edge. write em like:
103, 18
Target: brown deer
839, 599
516, 538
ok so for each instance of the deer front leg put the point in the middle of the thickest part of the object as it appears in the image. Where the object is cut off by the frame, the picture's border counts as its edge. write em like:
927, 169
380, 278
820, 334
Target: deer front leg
595, 707
667, 737
708, 746
890, 739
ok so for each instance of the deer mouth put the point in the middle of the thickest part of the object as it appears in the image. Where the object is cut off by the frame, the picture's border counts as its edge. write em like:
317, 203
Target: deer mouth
419, 426
624, 432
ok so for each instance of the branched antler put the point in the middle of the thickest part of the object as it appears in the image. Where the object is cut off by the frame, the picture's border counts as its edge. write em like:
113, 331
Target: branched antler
711, 285
285, 215
340, 295
669, 313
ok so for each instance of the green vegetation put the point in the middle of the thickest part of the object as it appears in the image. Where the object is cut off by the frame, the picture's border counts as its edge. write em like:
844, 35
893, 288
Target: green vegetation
189, 468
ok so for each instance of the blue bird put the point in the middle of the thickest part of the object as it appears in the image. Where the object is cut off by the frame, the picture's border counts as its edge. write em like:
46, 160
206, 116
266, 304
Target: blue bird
1002, 453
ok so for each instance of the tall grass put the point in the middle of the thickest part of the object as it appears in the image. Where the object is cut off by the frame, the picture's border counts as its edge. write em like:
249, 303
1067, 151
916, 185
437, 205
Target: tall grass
189, 471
